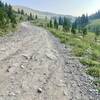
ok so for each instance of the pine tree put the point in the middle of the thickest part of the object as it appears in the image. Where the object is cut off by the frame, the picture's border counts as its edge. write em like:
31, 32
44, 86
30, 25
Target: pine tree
2, 18
31, 16
22, 12
36, 17
60, 21
66, 24
82, 21
6, 5
51, 25
84, 32
1, 4
19, 12
73, 29
10, 12
55, 23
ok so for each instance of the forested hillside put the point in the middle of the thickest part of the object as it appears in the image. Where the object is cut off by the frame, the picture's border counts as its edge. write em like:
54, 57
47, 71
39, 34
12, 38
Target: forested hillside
95, 15
94, 22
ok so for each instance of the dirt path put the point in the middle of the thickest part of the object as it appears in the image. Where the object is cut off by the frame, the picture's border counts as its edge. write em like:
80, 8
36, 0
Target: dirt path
35, 66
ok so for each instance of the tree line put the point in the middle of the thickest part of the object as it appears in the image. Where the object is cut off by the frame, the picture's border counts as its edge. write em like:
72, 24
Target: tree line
30, 16
78, 26
95, 15
68, 26
61, 21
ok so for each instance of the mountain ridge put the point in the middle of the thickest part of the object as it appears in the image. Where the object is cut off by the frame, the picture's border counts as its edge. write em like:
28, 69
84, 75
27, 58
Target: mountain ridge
40, 13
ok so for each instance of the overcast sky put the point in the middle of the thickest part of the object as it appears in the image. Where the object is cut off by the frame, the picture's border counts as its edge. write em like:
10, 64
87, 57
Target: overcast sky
67, 7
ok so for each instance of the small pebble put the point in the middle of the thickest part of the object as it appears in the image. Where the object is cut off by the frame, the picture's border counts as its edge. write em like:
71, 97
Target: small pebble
39, 90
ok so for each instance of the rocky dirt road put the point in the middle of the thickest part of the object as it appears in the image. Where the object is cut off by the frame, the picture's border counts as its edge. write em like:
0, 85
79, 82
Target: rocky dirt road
35, 66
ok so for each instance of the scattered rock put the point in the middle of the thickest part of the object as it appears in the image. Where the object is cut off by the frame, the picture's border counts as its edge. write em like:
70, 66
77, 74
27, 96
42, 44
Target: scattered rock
22, 66
11, 94
31, 57
11, 68
25, 57
93, 90
8, 69
65, 93
44, 74
91, 78
51, 56
39, 90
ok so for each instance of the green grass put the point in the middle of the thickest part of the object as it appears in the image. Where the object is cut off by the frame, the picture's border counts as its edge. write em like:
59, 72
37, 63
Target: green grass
40, 22
85, 48
89, 62
93, 71
5, 30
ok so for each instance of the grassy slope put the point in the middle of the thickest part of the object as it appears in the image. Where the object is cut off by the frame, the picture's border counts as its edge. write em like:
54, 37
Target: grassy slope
93, 24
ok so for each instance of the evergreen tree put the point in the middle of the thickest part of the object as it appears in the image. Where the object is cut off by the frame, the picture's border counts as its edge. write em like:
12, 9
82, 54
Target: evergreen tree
19, 12
51, 25
31, 16
21, 18
82, 21
22, 12
66, 24
60, 21
1, 4
10, 12
3, 16
95, 15
55, 23
84, 32
36, 17
73, 29
6, 5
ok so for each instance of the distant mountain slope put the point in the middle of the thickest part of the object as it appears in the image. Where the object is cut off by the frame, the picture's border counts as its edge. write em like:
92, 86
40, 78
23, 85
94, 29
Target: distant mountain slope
41, 13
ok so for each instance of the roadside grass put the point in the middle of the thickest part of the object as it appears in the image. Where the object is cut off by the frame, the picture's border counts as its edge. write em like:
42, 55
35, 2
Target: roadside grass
85, 48
40, 22
10, 27
93, 71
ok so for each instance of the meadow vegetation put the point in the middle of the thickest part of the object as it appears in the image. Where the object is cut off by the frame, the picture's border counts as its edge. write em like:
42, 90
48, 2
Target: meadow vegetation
85, 44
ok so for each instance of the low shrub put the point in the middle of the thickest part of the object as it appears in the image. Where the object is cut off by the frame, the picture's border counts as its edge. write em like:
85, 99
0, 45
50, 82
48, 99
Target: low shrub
93, 71
89, 62
78, 51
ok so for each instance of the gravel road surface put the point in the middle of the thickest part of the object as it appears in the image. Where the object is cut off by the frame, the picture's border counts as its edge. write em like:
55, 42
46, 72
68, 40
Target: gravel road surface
34, 65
